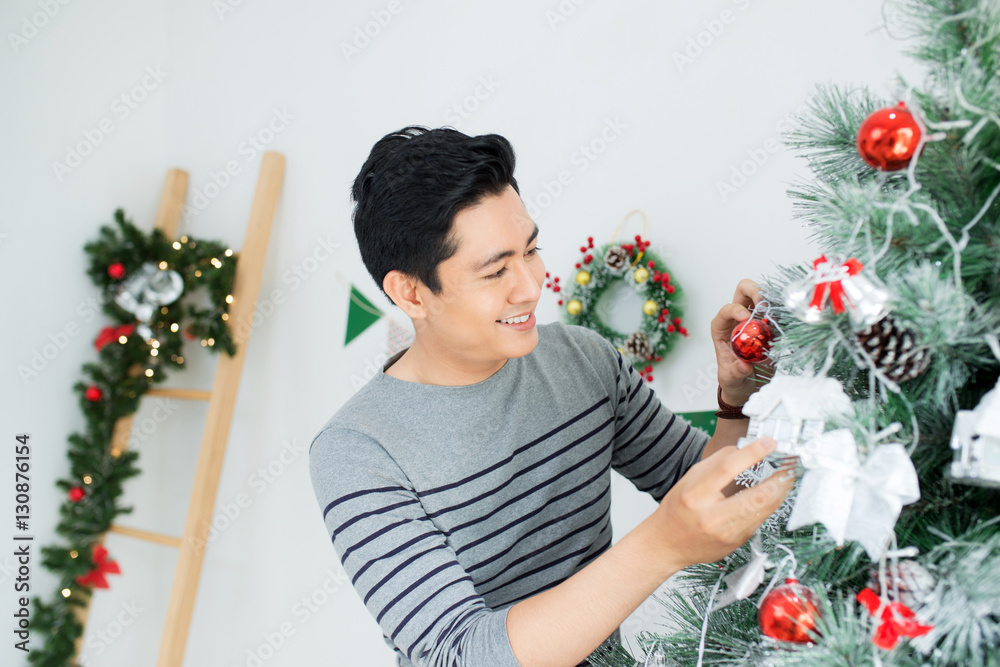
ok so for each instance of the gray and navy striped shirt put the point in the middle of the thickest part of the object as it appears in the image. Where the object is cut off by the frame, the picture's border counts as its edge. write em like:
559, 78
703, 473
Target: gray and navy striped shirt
446, 505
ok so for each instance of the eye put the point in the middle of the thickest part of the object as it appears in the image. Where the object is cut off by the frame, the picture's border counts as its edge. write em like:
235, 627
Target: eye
498, 274
534, 250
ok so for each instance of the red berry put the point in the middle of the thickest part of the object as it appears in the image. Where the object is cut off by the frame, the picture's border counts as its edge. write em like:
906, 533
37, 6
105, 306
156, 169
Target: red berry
556, 279
684, 332
638, 238
590, 239
588, 259
583, 248
556, 288
93, 393
649, 378
648, 369
656, 276
671, 328
578, 265
665, 277
661, 318
659, 358
677, 321
560, 302
628, 247
665, 311
76, 494
590, 244
116, 270
546, 274
670, 289
650, 263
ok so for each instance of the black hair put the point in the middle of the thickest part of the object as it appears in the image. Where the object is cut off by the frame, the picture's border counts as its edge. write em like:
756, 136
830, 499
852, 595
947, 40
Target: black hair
411, 187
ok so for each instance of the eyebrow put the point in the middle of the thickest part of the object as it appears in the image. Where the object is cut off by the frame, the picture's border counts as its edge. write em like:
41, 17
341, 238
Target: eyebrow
497, 256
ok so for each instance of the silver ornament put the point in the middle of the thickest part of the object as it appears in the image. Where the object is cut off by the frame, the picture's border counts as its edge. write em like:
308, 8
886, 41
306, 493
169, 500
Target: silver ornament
148, 289
975, 439
868, 300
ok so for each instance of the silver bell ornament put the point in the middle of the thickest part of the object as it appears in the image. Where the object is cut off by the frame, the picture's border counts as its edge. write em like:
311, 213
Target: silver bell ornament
146, 290
845, 286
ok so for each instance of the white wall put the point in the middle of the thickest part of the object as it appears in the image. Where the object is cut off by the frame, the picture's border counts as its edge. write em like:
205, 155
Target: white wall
223, 74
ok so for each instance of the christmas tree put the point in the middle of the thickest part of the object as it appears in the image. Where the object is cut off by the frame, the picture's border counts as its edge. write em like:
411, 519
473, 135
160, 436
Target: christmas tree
893, 531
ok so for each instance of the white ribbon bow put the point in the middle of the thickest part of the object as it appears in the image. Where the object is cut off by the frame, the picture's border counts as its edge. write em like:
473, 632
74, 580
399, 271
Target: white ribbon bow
855, 502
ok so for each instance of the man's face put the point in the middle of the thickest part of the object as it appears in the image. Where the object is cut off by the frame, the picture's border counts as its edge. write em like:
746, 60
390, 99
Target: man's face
495, 274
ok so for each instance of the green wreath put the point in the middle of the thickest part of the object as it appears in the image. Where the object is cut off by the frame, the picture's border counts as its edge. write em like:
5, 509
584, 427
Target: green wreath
639, 268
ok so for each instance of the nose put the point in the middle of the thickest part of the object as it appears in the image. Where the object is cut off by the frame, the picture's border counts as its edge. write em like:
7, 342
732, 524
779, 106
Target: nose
527, 286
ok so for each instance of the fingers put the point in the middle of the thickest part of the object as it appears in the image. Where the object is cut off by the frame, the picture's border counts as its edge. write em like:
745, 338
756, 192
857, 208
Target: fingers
731, 461
755, 504
747, 293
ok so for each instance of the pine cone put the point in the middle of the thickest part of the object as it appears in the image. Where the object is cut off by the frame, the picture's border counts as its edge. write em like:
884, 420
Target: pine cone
914, 581
895, 349
637, 345
616, 258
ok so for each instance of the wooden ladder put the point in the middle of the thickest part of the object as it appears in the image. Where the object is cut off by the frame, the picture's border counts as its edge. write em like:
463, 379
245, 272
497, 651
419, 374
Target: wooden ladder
221, 400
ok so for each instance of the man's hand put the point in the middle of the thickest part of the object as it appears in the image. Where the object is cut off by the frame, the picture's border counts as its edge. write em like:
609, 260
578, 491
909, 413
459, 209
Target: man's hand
737, 378
697, 523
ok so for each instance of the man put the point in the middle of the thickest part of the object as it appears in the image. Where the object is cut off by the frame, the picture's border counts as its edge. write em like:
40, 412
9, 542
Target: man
466, 487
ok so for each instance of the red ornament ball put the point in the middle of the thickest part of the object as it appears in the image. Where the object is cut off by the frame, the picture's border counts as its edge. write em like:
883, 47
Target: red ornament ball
93, 393
117, 270
751, 340
76, 494
888, 138
789, 612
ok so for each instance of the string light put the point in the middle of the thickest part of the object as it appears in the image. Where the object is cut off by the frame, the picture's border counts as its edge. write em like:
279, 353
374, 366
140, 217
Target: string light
73, 553
211, 341
204, 342
225, 317
197, 274
229, 252
149, 372
163, 265
180, 360
177, 245
164, 310
153, 352
229, 298
123, 339
216, 263
66, 592
174, 327
154, 343
184, 239
87, 479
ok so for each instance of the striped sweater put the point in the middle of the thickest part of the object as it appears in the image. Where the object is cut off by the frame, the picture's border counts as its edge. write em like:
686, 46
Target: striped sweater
446, 505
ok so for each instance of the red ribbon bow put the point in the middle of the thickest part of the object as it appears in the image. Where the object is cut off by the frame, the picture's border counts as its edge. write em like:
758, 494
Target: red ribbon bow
111, 334
897, 620
829, 281
102, 567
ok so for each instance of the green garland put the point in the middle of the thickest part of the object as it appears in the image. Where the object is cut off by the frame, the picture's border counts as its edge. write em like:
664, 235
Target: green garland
639, 268
128, 364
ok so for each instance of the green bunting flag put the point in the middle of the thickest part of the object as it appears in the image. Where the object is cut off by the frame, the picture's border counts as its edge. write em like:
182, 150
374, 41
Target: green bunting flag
703, 420
361, 314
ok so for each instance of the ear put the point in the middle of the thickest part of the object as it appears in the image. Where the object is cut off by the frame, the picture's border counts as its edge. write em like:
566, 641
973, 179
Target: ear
405, 292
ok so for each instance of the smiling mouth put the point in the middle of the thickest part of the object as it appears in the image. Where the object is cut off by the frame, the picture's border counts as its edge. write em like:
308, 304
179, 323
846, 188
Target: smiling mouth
516, 320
